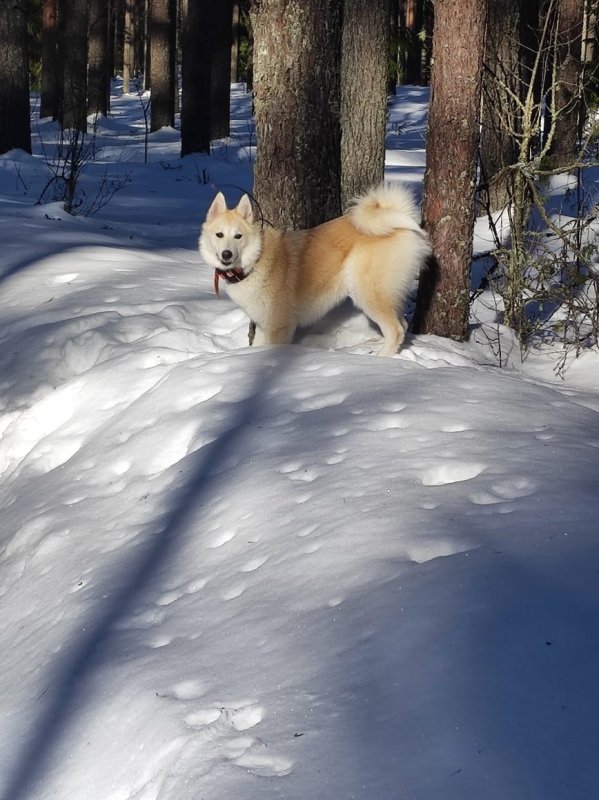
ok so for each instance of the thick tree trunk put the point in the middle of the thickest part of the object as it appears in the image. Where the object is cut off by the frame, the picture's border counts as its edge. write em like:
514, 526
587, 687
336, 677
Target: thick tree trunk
15, 126
568, 104
235, 44
364, 67
98, 74
73, 25
196, 77
449, 180
48, 91
162, 63
297, 105
220, 88
502, 86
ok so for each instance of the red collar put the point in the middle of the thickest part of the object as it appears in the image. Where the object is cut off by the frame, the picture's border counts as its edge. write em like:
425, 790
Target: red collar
234, 275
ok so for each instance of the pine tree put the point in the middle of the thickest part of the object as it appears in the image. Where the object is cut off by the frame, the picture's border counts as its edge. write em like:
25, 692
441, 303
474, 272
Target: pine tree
364, 74
297, 105
162, 25
196, 77
50, 63
450, 174
98, 91
15, 126
72, 46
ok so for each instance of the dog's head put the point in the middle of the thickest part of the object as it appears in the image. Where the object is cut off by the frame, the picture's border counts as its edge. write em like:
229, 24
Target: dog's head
229, 241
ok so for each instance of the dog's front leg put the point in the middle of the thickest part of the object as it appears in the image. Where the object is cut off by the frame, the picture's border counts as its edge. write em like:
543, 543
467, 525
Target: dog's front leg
281, 335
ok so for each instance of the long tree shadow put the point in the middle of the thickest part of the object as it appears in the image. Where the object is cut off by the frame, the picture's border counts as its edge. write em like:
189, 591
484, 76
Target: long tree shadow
84, 657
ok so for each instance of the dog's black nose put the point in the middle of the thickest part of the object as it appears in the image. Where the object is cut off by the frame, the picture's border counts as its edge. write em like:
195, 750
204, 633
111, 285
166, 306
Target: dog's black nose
226, 255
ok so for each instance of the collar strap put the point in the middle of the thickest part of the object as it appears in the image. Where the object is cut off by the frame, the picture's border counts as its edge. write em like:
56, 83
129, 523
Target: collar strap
235, 275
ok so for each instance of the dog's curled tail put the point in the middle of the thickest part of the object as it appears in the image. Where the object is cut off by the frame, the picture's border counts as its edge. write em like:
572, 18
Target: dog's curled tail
385, 209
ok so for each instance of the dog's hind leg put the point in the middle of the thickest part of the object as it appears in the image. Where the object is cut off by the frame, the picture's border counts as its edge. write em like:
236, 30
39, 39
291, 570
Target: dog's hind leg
381, 310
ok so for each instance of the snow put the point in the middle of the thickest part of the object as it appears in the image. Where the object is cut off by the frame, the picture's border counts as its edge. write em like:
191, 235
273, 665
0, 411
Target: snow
297, 572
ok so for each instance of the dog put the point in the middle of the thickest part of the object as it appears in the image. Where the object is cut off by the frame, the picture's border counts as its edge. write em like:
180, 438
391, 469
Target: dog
283, 280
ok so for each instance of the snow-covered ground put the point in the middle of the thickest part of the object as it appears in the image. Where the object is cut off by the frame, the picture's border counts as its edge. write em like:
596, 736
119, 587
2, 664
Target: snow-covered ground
302, 572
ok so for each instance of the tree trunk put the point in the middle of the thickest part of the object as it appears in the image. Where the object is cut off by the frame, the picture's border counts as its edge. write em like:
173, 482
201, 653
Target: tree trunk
73, 25
196, 77
502, 86
394, 69
414, 17
364, 69
15, 125
98, 75
128, 49
162, 63
449, 179
568, 104
220, 88
235, 44
297, 105
48, 91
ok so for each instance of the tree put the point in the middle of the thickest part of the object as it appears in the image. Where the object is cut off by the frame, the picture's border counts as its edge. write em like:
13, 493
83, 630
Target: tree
235, 41
297, 105
50, 63
196, 77
364, 72
162, 27
98, 70
220, 65
568, 105
503, 85
449, 178
72, 46
15, 126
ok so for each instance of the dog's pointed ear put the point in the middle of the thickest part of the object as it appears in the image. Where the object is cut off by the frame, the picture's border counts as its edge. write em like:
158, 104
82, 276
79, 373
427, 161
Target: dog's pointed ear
219, 204
244, 209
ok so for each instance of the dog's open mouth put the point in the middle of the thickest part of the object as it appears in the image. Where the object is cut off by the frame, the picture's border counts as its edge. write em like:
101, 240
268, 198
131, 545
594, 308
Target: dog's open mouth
233, 275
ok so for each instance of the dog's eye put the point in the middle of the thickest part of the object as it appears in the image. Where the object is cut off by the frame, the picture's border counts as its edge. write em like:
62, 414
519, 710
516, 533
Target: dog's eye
237, 236
219, 234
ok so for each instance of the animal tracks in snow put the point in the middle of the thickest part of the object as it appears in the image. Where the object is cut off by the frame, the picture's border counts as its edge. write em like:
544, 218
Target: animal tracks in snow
220, 734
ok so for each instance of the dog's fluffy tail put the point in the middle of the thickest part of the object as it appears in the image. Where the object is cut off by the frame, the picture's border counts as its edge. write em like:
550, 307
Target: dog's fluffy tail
385, 209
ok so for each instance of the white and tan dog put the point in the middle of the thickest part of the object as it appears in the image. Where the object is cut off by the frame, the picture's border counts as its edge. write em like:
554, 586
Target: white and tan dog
283, 280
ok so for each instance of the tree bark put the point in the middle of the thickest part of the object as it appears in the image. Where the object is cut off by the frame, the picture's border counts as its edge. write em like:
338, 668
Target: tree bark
502, 86
449, 179
73, 24
364, 69
15, 125
220, 87
196, 77
568, 100
98, 74
297, 45
162, 63
49, 81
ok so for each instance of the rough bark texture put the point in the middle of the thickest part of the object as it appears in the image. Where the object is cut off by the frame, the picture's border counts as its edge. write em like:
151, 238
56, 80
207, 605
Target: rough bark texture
15, 128
73, 22
235, 44
449, 180
49, 78
297, 98
220, 88
162, 63
196, 77
98, 76
501, 83
568, 94
364, 67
